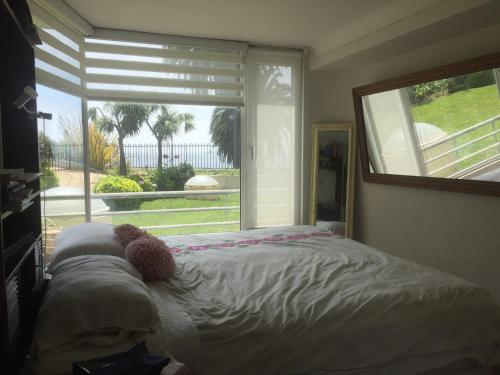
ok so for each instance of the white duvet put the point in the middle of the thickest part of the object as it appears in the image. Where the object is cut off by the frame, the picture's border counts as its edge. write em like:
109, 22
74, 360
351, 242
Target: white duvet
295, 301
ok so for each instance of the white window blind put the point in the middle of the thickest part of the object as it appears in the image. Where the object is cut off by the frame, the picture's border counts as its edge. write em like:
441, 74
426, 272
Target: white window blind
274, 118
133, 71
58, 60
124, 70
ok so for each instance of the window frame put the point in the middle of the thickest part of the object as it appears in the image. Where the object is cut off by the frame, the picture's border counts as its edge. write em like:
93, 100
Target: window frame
277, 56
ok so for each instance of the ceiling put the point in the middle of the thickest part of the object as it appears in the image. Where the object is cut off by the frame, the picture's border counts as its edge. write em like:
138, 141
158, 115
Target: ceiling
332, 29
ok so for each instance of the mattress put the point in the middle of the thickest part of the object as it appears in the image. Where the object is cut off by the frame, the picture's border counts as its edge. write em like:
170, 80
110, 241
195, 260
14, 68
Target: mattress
297, 301
294, 300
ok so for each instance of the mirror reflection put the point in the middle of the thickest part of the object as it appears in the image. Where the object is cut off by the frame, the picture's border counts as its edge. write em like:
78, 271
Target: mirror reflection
448, 128
331, 191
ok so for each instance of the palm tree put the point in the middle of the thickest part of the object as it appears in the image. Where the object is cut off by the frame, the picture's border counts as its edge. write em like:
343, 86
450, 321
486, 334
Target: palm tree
225, 131
278, 92
124, 119
165, 123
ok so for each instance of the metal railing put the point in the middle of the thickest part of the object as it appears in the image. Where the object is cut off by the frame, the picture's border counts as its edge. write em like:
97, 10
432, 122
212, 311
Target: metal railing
149, 195
66, 157
200, 156
461, 154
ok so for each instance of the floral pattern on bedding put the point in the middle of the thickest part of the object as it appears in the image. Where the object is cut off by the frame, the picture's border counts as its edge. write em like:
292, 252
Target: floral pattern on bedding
277, 238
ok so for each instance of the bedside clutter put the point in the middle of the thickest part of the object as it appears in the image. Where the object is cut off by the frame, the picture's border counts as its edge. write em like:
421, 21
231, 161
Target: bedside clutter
136, 361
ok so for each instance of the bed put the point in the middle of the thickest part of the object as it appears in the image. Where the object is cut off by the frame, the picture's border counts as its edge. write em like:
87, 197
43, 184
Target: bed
296, 300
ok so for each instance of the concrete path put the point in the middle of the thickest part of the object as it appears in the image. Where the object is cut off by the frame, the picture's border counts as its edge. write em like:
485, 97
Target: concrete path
75, 178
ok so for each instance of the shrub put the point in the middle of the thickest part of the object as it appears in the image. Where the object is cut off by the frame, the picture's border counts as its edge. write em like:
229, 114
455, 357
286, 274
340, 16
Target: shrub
472, 80
144, 180
48, 180
46, 153
118, 184
172, 178
102, 150
180, 175
161, 178
418, 93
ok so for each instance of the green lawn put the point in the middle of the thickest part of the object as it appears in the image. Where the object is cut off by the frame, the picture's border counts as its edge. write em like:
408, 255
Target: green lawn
461, 110
171, 218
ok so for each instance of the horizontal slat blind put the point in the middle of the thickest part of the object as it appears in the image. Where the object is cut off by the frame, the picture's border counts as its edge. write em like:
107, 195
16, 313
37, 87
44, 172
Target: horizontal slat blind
121, 70
143, 72
58, 61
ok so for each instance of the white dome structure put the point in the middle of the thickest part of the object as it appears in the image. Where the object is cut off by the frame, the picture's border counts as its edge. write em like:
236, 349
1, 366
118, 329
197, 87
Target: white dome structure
396, 153
202, 182
427, 133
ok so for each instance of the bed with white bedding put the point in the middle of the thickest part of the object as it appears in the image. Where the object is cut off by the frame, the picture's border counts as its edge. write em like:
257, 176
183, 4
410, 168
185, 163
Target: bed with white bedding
297, 301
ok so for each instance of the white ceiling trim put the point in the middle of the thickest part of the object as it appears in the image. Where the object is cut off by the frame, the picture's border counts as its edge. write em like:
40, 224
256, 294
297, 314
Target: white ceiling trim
141, 37
336, 31
419, 20
65, 14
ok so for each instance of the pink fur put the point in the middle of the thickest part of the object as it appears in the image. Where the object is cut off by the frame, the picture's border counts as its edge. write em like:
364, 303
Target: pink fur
151, 257
126, 233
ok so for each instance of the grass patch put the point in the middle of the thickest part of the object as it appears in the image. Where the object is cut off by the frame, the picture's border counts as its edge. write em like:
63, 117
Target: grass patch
460, 110
171, 218
218, 172
225, 200
197, 230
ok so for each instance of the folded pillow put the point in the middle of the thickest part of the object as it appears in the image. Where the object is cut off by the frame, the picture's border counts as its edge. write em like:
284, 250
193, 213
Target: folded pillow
92, 295
85, 239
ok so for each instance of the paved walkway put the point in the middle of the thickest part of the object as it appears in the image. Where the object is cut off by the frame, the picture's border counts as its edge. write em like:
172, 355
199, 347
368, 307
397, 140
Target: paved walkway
75, 178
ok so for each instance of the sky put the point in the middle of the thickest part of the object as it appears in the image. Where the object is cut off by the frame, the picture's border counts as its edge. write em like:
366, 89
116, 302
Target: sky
69, 107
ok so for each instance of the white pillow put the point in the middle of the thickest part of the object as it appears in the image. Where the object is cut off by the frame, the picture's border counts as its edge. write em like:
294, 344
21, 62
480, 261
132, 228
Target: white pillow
85, 239
93, 295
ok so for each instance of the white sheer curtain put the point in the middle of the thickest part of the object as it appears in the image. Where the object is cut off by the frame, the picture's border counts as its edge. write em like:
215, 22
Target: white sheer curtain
273, 139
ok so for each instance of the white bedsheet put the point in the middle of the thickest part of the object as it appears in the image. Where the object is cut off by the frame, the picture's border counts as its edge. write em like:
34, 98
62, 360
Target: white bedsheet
292, 301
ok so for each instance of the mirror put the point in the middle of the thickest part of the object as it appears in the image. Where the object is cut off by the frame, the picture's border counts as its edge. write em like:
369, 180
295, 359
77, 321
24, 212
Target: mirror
435, 129
332, 177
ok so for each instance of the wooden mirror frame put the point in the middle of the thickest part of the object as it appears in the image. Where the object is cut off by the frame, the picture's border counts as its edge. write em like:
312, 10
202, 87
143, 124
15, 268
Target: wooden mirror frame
351, 161
437, 183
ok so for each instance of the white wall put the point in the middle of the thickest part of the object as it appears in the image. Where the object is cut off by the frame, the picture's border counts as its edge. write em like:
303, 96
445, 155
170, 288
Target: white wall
455, 232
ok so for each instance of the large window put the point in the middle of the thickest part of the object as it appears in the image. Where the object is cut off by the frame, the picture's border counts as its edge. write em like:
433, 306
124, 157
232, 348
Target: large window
162, 158
178, 139
61, 159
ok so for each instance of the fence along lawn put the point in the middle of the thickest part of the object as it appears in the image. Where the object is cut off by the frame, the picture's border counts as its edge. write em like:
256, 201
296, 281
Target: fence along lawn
190, 217
145, 156
145, 219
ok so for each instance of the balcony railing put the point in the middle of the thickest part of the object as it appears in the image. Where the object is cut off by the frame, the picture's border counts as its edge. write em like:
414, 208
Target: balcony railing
459, 165
200, 156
